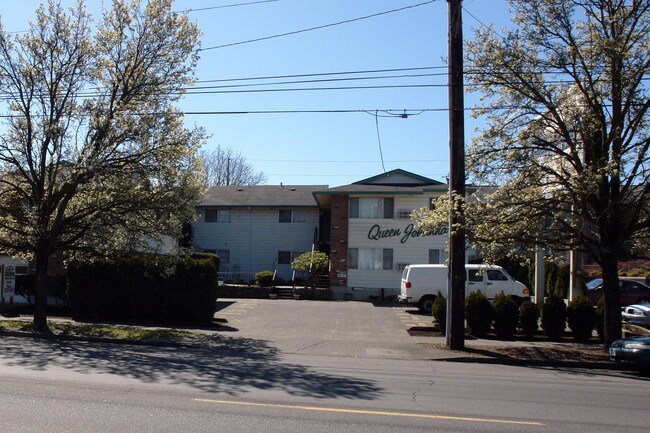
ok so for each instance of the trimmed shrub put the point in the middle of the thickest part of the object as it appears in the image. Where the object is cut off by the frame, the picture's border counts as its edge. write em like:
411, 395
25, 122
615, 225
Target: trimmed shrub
528, 318
144, 289
479, 314
439, 310
264, 278
581, 316
600, 318
506, 315
208, 256
554, 316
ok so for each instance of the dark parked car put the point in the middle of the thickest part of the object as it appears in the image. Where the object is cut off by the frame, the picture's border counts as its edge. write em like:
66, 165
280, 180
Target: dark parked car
633, 350
631, 292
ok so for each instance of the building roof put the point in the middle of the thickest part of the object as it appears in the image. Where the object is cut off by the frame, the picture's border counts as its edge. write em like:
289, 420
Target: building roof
398, 177
261, 196
395, 182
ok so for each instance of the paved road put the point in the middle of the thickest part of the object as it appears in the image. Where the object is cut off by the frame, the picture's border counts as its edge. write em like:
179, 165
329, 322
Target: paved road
302, 367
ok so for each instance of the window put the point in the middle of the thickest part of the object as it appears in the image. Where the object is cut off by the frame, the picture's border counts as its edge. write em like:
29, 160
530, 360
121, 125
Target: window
495, 275
298, 217
432, 203
284, 257
434, 257
404, 214
285, 216
224, 256
372, 208
291, 216
370, 258
475, 275
217, 215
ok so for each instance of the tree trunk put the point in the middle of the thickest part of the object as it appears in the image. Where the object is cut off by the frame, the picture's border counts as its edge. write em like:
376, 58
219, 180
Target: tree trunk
612, 325
40, 287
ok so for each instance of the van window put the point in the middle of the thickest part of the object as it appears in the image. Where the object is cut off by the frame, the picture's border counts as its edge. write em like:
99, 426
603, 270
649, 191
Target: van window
475, 275
496, 275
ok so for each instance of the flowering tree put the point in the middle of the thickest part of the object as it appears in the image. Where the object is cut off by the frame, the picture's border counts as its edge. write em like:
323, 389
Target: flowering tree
93, 156
567, 133
310, 262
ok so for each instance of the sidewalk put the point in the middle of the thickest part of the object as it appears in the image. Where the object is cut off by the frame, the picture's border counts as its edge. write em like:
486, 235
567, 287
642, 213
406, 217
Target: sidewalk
349, 329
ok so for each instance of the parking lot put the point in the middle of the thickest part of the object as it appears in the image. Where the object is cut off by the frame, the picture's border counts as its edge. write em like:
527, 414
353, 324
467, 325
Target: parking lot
346, 328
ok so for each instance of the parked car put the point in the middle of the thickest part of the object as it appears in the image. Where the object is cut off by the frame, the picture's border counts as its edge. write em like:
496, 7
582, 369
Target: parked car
631, 292
633, 350
638, 314
421, 283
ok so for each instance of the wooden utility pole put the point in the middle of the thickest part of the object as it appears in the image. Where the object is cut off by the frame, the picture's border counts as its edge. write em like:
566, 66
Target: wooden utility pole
455, 337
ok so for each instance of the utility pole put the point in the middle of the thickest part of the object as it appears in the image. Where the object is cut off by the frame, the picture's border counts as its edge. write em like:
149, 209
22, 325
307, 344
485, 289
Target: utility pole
455, 336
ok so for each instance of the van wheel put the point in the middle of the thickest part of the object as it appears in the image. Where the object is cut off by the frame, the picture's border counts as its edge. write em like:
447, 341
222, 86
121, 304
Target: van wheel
426, 303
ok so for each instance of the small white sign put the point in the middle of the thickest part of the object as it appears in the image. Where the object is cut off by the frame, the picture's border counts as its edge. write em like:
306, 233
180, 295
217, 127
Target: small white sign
9, 285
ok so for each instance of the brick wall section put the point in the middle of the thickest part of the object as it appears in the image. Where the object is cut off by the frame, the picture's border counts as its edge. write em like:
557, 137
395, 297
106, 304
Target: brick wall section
339, 241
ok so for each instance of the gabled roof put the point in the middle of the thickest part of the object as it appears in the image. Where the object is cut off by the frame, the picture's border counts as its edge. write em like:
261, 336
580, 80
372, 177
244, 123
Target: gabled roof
261, 196
395, 182
398, 177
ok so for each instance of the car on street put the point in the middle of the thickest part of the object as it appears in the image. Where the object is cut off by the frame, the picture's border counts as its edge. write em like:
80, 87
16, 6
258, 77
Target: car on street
638, 314
631, 292
632, 350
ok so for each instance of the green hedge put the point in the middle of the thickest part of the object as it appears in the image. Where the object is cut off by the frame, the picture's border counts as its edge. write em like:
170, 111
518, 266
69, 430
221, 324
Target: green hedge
506, 315
554, 316
581, 318
479, 314
144, 289
528, 318
439, 310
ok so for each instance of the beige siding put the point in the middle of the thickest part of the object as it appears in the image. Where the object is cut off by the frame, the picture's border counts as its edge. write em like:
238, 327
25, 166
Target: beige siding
398, 234
254, 238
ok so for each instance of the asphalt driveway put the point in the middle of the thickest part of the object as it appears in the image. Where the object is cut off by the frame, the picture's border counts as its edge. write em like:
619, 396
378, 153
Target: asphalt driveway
346, 328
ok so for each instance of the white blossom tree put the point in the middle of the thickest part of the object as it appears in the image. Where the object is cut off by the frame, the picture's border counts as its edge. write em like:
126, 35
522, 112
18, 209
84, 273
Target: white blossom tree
93, 155
565, 99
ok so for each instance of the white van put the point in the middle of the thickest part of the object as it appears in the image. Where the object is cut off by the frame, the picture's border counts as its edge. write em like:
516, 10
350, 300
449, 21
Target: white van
421, 283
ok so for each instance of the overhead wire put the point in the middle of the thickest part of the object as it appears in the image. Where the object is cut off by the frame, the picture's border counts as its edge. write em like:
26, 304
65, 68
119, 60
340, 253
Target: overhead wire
295, 32
207, 8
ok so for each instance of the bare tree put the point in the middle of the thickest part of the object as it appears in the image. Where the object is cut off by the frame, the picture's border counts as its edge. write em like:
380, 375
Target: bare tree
93, 156
224, 166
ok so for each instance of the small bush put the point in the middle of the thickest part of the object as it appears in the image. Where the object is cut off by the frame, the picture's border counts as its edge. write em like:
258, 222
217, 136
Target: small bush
554, 316
439, 310
600, 317
506, 315
581, 316
264, 278
528, 318
479, 314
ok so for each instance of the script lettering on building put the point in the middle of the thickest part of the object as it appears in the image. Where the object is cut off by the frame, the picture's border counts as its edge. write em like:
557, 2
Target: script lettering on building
410, 231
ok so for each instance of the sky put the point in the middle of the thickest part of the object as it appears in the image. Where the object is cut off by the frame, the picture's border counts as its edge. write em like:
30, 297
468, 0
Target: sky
311, 106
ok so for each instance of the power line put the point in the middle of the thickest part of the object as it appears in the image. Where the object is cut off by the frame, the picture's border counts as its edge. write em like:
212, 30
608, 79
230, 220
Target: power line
317, 27
231, 5
340, 175
324, 80
303, 161
370, 71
